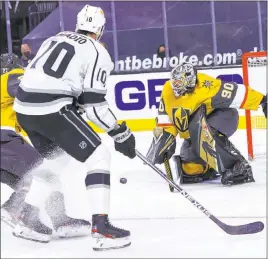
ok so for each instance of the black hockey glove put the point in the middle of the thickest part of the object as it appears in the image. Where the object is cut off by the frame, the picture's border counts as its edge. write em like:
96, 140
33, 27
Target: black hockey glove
124, 140
163, 143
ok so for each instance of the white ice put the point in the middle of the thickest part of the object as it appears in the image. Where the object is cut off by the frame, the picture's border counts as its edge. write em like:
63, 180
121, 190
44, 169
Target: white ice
162, 224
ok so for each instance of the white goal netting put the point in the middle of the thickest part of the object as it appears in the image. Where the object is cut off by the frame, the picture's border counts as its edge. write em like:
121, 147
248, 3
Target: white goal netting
257, 79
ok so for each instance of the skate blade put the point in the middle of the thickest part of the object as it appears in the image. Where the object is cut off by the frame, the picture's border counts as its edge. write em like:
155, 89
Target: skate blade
28, 234
8, 219
104, 244
72, 231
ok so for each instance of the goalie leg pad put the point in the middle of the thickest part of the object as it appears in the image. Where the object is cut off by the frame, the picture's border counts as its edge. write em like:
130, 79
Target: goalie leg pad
208, 146
224, 120
199, 172
216, 150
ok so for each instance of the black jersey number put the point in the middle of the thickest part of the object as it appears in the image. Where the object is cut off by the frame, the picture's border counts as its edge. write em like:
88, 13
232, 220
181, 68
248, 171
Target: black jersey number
102, 76
62, 47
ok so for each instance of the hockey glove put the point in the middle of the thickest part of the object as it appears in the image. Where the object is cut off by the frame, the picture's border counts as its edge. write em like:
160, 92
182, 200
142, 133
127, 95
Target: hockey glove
163, 143
124, 140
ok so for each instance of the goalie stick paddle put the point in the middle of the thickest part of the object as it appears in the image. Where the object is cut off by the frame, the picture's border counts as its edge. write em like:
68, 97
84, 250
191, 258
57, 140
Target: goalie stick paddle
168, 171
250, 228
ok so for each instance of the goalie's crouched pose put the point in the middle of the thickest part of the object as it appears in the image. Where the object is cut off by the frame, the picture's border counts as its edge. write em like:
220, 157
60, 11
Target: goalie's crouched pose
202, 110
18, 158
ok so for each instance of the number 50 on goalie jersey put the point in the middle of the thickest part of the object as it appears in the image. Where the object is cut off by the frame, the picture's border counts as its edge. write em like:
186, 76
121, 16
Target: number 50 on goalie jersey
67, 66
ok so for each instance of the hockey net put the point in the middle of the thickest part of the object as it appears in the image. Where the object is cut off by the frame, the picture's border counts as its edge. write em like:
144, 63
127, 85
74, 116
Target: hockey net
254, 75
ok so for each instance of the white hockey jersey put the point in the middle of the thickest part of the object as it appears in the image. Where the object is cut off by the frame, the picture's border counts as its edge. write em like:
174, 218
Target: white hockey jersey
68, 67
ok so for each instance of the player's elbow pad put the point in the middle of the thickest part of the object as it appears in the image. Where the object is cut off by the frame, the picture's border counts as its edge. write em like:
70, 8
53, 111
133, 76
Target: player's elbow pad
102, 116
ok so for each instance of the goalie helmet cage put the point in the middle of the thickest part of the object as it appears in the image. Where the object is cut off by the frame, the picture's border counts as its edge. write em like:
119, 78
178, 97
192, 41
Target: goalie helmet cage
254, 60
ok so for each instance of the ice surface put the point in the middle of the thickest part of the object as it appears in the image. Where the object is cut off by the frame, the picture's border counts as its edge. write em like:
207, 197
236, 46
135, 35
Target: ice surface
162, 224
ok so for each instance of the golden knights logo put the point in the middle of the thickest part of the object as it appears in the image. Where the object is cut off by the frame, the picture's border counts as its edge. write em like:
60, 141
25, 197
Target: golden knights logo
207, 84
181, 118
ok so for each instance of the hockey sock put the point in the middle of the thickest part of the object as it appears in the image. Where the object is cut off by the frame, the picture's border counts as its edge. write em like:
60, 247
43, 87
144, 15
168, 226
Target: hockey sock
98, 180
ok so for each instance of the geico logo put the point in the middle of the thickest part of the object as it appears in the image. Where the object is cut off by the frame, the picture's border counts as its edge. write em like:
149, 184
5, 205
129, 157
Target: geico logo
135, 95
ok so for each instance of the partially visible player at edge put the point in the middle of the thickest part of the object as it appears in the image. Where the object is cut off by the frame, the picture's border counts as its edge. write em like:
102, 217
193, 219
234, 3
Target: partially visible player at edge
206, 150
18, 157
71, 69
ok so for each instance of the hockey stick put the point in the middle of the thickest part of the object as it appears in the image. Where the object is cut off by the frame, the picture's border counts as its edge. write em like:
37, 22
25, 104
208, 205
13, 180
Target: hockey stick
169, 173
250, 228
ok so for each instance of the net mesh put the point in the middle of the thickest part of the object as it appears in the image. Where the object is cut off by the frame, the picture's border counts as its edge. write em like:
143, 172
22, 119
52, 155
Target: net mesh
257, 72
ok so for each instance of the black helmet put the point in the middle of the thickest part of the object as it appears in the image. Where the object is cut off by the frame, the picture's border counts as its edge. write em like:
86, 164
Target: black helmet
9, 62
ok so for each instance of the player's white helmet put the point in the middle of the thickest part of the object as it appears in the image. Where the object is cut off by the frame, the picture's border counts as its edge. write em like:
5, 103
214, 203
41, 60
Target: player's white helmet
183, 79
91, 19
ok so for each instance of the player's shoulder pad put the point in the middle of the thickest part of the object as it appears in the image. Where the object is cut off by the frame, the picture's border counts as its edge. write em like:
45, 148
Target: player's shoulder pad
206, 81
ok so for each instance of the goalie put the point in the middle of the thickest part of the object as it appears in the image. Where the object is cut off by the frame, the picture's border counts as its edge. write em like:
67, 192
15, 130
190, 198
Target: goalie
202, 111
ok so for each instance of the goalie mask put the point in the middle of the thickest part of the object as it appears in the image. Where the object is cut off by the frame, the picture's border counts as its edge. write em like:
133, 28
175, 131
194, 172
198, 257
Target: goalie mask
183, 79
91, 19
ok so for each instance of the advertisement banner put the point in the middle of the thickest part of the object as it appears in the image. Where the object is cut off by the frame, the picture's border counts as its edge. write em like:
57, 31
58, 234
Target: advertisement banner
135, 97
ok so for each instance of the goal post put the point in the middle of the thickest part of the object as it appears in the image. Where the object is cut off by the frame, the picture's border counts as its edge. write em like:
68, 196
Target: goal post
254, 63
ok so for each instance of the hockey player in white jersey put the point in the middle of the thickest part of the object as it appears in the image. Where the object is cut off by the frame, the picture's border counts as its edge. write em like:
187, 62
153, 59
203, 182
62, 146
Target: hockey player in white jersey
71, 69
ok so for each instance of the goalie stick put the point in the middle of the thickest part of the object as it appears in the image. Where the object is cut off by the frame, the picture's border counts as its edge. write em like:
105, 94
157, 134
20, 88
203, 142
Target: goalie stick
169, 173
249, 228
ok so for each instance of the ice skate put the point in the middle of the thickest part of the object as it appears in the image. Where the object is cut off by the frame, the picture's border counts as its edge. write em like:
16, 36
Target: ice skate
8, 217
30, 227
65, 227
107, 236
11, 208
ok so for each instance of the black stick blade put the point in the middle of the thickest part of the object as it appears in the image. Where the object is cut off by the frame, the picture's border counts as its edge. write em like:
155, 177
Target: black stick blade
246, 229
251, 228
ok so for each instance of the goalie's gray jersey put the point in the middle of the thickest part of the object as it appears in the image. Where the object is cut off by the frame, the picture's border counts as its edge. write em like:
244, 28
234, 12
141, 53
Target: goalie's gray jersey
68, 67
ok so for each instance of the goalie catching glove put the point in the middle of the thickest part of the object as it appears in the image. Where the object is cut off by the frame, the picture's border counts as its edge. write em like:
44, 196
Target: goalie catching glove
163, 143
124, 140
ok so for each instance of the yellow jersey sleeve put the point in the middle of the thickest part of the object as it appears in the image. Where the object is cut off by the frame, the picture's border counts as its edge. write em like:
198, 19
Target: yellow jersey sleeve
252, 99
229, 94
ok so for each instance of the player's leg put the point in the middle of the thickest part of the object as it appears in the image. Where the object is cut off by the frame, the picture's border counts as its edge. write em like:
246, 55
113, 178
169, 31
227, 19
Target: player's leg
213, 146
194, 169
10, 208
87, 148
224, 123
72, 134
47, 173
190, 167
17, 158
